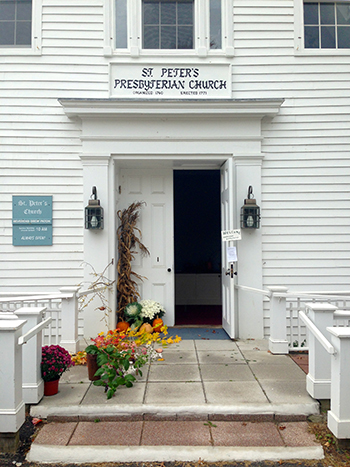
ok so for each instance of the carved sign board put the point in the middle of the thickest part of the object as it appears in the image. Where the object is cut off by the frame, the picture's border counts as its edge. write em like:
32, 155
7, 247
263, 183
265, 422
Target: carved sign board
170, 81
31, 220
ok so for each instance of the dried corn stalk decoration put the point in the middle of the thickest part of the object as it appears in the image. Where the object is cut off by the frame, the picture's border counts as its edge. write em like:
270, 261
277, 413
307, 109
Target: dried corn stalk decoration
128, 238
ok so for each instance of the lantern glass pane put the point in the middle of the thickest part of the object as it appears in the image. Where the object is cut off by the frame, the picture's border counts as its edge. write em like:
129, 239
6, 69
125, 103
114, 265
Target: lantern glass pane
250, 217
94, 217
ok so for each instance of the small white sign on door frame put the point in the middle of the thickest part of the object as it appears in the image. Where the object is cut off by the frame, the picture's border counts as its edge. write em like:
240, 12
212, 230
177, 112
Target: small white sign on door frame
231, 254
230, 235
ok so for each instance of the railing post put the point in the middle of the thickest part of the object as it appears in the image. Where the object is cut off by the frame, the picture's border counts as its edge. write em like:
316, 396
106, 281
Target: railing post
69, 320
339, 415
318, 380
278, 343
12, 407
32, 383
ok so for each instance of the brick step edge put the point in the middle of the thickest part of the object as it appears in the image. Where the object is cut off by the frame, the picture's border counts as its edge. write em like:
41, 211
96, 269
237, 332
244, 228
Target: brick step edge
271, 417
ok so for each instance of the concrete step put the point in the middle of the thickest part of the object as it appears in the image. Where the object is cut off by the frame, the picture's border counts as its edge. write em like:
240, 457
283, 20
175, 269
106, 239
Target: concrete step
160, 441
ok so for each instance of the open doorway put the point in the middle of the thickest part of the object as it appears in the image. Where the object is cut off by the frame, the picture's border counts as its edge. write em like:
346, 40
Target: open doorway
197, 242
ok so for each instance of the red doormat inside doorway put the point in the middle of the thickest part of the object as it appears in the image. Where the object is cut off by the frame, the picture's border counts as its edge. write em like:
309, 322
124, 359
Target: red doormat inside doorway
198, 315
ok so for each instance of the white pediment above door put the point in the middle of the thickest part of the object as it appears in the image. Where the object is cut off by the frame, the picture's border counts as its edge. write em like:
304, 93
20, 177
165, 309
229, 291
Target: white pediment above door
171, 127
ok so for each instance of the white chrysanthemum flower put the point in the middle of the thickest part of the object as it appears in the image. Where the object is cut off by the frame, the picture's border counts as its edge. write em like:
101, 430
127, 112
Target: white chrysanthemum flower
150, 309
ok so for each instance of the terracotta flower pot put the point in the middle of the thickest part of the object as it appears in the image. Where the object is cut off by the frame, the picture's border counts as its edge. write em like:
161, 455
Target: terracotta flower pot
51, 387
91, 361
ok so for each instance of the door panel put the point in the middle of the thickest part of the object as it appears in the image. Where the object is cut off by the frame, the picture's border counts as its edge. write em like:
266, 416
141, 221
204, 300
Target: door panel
227, 223
155, 188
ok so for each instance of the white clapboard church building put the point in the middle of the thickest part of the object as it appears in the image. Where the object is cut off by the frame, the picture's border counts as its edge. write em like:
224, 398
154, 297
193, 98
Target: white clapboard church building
193, 107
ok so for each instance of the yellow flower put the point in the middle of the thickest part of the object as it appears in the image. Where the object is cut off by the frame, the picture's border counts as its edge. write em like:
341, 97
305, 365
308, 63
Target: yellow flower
79, 358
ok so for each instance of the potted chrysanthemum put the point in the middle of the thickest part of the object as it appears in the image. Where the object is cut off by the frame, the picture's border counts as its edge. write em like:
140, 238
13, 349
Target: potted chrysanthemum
145, 313
55, 360
152, 313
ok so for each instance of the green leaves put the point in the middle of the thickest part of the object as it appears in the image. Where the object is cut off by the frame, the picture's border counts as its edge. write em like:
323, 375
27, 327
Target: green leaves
92, 349
114, 366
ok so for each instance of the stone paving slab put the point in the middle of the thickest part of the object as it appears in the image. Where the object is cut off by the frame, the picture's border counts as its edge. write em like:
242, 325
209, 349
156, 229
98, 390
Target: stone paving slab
239, 392
177, 356
174, 393
220, 357
176, 433
57, 434
291, 392
174, 372
75, 375
226, 372
68, 394
216, 345
296, 434
284, 372
107, 434
262, 356
246, 434
96, 395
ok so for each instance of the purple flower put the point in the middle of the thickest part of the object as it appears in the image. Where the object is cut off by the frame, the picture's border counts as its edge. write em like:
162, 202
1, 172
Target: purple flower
55, 361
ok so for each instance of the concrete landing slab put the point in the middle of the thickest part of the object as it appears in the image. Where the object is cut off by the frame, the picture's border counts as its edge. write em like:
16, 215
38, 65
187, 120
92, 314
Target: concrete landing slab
198, 378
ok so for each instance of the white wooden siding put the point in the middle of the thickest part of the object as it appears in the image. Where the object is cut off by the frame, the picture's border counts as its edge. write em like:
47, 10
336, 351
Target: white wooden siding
306, 168
40, 147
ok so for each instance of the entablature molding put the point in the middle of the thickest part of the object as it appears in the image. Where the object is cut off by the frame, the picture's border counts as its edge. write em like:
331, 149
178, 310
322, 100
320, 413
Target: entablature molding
95, 159
230, 108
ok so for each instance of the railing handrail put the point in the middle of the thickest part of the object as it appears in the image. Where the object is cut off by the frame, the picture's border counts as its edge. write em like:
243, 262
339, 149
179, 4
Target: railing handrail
323, 292
32, 332
33, 298
18, 294
268, 293
310, 296
317, 333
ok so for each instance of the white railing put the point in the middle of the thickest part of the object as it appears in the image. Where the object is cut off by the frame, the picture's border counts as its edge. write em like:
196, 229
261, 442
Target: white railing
52, 303
317, 333
291, 330
329, 376
21, 382
66, 326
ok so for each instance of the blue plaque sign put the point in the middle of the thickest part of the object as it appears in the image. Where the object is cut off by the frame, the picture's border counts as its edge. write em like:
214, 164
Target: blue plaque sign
32, 235
32, 220
32, 209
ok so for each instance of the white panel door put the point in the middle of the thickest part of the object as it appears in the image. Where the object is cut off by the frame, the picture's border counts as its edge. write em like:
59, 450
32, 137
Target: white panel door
155, 188
227, 223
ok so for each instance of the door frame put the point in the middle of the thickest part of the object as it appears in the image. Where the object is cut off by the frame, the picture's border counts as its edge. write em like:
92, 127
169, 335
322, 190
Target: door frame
182, 133
247, 320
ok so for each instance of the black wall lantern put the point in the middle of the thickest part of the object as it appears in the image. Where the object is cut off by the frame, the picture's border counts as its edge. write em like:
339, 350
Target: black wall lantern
250, 212
94, 212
